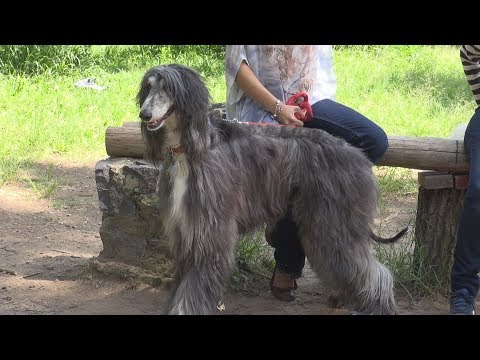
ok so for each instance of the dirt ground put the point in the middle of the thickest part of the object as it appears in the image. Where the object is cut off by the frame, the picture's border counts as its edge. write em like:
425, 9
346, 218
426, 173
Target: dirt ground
46, 246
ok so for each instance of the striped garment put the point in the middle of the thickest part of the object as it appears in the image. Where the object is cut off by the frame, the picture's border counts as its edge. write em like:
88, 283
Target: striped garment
470, 55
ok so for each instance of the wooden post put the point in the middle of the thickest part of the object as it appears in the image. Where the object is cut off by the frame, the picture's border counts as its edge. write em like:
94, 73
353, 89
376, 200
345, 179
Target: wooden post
440, 201
439, 207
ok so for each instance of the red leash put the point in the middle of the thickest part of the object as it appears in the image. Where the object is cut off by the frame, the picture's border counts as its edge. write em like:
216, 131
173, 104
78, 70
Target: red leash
299, 99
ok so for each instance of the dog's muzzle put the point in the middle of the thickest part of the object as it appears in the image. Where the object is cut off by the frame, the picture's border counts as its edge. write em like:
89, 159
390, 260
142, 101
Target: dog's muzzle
154, 124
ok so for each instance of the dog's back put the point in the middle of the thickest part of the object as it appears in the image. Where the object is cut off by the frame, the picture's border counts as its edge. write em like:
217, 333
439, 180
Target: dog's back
331, 191
308, 167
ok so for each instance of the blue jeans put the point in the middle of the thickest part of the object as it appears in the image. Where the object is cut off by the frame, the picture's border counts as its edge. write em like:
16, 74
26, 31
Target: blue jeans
466, 263
356, 129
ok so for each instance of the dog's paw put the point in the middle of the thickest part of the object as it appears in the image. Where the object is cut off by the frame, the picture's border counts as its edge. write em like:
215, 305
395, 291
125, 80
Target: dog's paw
354, 312
221, 306
175, 311
335, 301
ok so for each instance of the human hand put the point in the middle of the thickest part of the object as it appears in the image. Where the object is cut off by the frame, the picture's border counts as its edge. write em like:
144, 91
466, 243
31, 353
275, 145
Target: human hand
287, 115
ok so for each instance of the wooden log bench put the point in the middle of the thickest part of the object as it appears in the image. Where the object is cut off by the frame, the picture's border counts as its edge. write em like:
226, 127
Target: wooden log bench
442, 181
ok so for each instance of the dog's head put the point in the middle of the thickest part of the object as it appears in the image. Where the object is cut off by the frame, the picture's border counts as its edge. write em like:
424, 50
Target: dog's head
174, 102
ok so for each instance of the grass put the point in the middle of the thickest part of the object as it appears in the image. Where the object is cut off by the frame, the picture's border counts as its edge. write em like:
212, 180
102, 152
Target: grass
407, 90
396, 180
42, 113
43, 183
254, 259
413, 276
64, 203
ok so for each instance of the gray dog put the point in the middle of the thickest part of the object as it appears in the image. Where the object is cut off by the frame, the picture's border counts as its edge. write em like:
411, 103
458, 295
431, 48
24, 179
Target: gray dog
220, 180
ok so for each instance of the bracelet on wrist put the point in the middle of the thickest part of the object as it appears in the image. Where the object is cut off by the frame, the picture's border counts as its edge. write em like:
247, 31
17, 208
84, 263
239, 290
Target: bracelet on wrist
278, 108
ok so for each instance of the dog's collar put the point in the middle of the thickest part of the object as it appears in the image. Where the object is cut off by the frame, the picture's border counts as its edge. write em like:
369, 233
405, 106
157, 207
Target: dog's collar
176, 149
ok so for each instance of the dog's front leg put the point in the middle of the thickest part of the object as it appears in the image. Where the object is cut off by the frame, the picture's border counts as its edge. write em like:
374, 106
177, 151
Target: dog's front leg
200, 289
193, 297
201, 276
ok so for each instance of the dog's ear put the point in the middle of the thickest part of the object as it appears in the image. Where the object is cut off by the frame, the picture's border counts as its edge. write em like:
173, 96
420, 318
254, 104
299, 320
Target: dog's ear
143, 91
195, 138
191, 100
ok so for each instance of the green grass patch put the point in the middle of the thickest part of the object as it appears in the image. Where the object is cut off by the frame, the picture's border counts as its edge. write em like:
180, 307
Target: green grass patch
43, 182
42, 113
396, 180
64, 203
11, 169
254, 261
414, 277
408, 90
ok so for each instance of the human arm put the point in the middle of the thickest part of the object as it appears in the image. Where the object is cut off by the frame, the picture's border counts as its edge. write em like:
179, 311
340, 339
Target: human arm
470, 55
254, 89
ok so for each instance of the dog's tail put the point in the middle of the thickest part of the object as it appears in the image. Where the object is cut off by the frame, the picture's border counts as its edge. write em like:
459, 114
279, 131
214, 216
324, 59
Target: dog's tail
390, 240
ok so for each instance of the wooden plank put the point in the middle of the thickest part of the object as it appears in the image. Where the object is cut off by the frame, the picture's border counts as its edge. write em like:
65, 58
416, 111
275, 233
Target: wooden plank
435, 180
461, 181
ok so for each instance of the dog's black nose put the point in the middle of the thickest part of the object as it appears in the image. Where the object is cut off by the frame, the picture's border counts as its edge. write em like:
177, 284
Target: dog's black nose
145, 115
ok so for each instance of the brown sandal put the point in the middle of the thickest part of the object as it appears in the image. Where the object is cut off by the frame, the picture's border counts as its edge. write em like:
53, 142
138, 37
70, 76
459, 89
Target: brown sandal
282, 294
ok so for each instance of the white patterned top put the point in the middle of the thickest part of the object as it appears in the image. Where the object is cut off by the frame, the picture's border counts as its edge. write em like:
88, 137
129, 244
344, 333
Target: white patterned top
284, 70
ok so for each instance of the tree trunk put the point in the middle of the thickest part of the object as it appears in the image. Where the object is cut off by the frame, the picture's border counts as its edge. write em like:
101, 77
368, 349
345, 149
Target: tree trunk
438, 214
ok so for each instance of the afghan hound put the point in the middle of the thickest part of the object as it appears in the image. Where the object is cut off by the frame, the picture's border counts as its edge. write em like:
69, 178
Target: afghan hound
220, 180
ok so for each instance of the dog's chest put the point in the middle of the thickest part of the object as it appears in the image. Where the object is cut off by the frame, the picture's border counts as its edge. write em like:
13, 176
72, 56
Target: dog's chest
178, 177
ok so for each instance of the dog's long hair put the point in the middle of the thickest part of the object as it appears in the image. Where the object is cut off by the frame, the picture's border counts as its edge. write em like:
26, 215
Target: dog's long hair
220, 180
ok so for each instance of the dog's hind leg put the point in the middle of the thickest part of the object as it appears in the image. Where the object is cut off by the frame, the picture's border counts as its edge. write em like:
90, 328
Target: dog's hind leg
201, 275
373, 288
336, 300
354, 273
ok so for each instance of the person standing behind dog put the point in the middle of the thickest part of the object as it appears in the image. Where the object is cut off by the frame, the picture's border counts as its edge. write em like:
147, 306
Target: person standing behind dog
466, 266
260, 79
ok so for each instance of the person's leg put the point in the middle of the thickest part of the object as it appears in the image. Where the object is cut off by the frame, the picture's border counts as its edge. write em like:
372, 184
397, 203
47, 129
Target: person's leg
289, 259
289, 254
355, 128
464, 275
